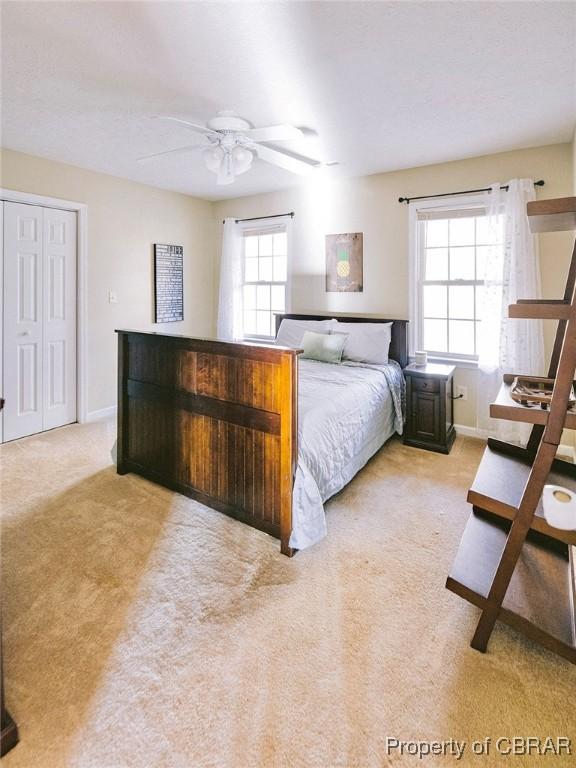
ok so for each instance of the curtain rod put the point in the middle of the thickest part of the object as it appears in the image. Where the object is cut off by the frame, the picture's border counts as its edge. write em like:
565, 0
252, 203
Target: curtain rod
259, 218
539, 183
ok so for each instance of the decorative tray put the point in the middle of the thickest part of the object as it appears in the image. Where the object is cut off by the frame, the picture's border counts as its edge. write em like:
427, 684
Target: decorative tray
534, 390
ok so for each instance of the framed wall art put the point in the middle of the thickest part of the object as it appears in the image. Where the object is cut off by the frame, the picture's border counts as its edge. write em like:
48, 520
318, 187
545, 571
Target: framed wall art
345, 262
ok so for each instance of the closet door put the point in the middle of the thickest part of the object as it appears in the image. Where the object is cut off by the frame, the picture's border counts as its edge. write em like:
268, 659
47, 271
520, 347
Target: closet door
59, 313
23, 334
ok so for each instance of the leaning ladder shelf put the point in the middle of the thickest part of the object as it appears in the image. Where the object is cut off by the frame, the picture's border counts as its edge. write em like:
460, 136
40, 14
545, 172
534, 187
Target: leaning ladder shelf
510, 563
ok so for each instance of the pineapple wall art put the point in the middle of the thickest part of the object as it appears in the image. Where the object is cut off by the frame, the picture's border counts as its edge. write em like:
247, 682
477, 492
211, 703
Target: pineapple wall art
344, 262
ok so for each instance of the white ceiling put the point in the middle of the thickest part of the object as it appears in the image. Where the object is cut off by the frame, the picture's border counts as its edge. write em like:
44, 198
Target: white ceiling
385, 85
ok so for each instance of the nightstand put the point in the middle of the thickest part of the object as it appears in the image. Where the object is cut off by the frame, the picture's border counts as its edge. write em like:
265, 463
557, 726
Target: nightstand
429, 407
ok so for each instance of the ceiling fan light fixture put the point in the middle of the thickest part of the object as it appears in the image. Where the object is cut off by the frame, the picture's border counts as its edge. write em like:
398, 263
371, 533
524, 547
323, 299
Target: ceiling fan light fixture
241, 160
213, 157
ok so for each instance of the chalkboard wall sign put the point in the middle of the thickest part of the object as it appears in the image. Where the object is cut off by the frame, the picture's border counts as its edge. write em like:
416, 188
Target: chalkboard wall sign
168, 283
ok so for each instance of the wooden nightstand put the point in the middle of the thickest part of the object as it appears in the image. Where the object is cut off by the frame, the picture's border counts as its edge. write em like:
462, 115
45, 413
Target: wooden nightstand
429, 407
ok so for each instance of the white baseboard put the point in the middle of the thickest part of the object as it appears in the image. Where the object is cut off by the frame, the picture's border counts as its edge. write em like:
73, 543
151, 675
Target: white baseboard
462, 429
103, 413
564, 450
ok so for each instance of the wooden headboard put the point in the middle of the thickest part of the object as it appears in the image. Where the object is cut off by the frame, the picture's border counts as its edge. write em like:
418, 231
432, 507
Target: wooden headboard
399, 341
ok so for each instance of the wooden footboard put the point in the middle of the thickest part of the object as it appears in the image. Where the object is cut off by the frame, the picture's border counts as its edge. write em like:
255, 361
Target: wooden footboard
214, 420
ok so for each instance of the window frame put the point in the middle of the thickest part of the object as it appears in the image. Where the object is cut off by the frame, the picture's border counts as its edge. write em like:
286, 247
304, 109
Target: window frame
265, 229
416, 278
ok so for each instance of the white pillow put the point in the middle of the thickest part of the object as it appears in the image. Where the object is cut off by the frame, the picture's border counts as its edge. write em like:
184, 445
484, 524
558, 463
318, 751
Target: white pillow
366, 342
291, 332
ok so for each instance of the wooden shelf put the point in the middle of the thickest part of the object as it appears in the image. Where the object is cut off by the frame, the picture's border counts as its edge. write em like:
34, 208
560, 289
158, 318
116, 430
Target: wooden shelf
540, 309
500, 482
552, 215
508, 552
506, 408
540, 598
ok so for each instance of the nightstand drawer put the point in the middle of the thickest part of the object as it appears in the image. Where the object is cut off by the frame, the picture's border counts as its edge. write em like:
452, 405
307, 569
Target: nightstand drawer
425, 385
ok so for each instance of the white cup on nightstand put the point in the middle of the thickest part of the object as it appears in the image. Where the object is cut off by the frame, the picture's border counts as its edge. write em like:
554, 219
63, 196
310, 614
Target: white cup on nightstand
420, 358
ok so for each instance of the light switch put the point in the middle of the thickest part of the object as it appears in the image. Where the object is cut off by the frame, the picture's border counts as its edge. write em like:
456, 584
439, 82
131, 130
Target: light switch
112, 297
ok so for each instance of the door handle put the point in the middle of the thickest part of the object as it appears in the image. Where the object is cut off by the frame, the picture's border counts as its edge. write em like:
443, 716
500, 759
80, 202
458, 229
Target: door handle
24, 333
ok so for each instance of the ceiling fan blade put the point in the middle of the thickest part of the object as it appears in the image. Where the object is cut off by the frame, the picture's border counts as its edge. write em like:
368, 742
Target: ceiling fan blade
274, 133
188, 124
283, 160
178, 150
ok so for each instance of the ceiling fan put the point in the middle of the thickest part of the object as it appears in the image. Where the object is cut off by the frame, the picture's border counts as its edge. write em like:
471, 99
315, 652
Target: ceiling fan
230, 143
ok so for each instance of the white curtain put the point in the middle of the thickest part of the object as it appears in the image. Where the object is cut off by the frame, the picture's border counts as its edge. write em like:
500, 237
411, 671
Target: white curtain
511, 272
229, 326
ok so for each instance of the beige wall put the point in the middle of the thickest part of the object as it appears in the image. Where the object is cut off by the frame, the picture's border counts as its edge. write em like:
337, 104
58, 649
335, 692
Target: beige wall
124, 220
370, 205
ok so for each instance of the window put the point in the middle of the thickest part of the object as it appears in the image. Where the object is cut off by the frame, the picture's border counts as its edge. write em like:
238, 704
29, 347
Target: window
451, 246
264, 280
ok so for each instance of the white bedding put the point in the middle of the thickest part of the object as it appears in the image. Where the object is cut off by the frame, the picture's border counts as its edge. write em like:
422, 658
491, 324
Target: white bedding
346, 413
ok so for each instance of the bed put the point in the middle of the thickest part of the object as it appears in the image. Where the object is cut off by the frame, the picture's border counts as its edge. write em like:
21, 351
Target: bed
251, 430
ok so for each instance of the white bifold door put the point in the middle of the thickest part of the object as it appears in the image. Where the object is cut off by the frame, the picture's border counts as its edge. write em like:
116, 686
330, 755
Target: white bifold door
39, 319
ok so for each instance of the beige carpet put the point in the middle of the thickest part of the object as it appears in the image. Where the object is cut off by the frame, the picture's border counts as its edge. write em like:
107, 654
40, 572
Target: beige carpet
142, 629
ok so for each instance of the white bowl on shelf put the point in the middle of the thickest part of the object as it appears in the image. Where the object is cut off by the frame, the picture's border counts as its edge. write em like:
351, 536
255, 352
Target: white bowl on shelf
559, 507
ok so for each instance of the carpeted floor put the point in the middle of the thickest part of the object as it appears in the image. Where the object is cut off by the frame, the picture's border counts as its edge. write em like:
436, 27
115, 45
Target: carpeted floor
143, 630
